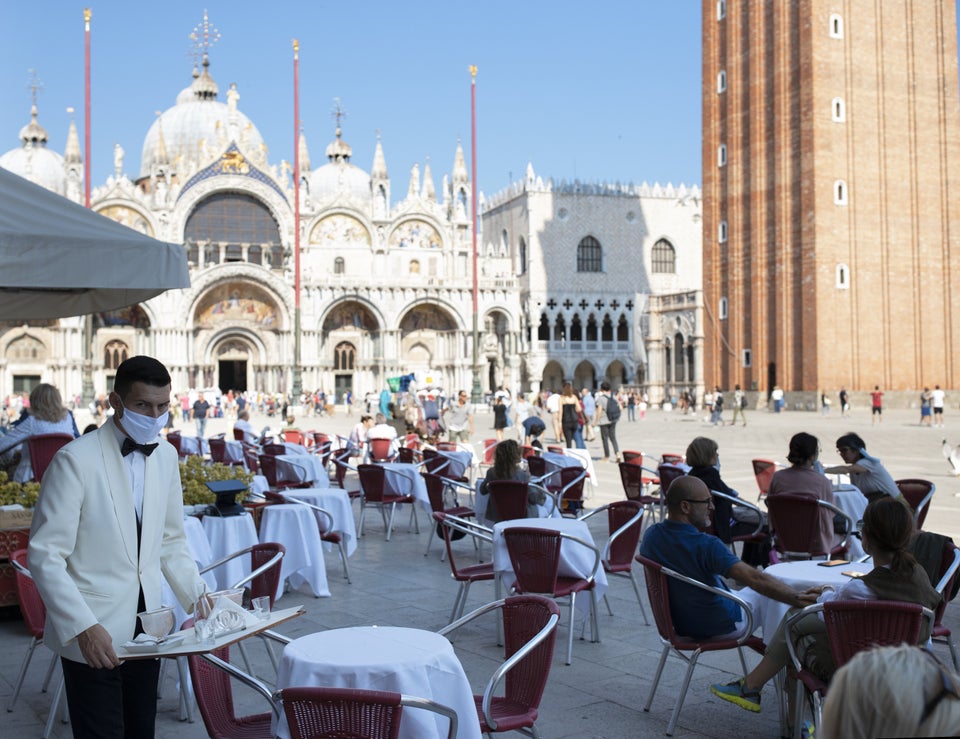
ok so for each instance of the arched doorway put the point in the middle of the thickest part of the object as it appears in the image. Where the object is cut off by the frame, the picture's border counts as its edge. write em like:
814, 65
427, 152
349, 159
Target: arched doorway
616, 374
428, 340
552, 377
584, 376
234, 361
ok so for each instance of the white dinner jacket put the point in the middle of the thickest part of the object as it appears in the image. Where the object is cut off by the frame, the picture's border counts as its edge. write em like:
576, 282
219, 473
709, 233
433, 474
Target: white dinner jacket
83, 542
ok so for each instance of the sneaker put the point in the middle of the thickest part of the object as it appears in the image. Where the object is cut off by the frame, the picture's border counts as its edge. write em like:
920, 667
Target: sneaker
808, 731
737, 693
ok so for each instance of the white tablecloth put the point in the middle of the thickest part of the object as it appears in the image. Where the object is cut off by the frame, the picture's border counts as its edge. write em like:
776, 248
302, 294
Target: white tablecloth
575, 560
571, 458
337, 502
547, 510
411, 661
200, 549
233, 451
295, 527
405, 479
194, 445
768, 613
460, 462
302, 468
851, 501
226, 535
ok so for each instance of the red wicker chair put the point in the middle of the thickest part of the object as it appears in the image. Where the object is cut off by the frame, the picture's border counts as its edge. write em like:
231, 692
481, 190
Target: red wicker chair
763, 470
530, 633
470, 574
795, 525
918, 494
509, 497
42, 448
435, 488
373, 485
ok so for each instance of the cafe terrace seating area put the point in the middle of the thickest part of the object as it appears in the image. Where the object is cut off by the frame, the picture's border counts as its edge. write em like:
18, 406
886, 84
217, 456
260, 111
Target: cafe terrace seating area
603, 688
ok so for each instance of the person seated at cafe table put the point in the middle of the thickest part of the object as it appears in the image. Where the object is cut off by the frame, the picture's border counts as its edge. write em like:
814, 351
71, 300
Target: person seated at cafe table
680, 543
243, 424
886, 532
508, 464
358, 435
381, 429
865, 471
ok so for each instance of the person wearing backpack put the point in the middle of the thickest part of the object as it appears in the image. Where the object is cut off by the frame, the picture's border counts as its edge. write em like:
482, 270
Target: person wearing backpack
608, 413
739, 406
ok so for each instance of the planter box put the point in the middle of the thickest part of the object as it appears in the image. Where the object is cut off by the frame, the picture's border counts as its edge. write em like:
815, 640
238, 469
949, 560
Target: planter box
16, 519
11, 539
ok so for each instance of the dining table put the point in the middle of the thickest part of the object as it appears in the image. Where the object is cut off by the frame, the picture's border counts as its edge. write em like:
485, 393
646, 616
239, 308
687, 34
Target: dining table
226, 535
336, 502
850, 500
392, 658
295, 527
575, 559
800, 575
405, 479
194, 445
300, 468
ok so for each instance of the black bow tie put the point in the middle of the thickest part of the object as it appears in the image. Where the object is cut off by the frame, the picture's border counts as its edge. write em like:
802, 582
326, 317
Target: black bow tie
129, 445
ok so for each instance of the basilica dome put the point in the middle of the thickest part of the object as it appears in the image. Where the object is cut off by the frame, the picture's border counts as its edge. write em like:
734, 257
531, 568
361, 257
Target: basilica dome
33, 161
338, 176
198, 127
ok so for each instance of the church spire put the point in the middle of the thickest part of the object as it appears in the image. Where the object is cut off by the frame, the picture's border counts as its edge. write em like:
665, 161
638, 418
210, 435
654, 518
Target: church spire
428, 192
459, 166
379, 170
72, 154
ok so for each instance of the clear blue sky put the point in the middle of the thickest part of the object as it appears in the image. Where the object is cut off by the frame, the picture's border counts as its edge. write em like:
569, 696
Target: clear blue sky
596, 91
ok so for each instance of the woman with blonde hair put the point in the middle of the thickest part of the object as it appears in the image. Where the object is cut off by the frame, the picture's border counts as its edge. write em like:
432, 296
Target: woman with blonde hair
919, 696
47, 416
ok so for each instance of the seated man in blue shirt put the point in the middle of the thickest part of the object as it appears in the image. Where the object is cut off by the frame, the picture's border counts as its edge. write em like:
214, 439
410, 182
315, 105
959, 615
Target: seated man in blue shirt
680, 544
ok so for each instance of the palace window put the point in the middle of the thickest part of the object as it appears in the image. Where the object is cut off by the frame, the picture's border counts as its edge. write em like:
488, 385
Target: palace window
664, 258
344, 356
589, 255
114, 353
339, 266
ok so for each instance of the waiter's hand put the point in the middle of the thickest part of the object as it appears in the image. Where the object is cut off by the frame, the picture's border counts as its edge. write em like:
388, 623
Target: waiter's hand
96, 646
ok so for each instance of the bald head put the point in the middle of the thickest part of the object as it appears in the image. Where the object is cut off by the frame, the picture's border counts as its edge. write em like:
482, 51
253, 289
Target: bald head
685, 488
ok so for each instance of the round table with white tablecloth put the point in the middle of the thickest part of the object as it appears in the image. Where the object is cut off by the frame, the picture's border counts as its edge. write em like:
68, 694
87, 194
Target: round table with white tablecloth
405, 479
411, 661
295, 527
229, 534
302, 468
573, 457
336, 502
768, 613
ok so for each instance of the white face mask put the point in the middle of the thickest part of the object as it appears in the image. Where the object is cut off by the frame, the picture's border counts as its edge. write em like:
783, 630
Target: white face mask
143, 429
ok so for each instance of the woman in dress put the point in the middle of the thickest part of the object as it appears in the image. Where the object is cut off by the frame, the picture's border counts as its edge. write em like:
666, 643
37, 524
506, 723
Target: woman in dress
570, 411
47, 416
499, 417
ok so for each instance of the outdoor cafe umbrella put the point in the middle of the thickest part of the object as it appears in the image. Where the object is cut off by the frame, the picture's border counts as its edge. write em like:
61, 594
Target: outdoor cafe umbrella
59, 259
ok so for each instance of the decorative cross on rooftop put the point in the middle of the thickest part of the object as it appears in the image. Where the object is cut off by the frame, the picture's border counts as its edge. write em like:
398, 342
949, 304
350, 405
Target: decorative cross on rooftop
204, 36
614, 304
339, 113
551, 304
629, 305
567, 304
583, 304
34, 85
598, 304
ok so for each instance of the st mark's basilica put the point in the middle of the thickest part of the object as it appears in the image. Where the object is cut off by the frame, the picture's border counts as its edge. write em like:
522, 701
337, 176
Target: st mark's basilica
577, 281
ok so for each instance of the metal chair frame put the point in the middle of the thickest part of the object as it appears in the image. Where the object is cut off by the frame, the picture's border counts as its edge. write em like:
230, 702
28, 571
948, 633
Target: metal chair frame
792, 497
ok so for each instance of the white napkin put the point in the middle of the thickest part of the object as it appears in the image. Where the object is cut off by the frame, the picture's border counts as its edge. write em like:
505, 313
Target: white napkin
142, 639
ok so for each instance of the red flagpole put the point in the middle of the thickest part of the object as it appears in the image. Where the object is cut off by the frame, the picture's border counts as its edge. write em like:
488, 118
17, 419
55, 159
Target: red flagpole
87, 13
297, 377
475, 390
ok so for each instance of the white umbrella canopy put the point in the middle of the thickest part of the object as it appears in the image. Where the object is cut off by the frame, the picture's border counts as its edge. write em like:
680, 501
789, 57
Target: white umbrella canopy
59, 259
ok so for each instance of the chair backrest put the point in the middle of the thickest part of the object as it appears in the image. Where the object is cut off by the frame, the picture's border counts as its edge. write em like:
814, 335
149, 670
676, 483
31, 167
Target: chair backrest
918, 494
631, 477
434, 485
535, 556
274, 449
218, 449
411, 441
266, 583
658, 594
372, 481
509, 497
213, 691
252, 459
944, 580
537, 466
623, 548
341, 459
855, 625
446, 446
341, 712
632, 457
489, 451
523, 617
42, 448
795, 524
268, 467
671, 459
324, 447
294, 436
528, 452
31, 605
406, 455
667, 474
380, 450
239, 435
572, 480
555, 449
174, 438
763, 470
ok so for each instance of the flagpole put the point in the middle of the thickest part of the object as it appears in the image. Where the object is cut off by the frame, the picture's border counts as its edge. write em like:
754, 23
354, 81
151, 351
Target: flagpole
297, 375
475, 392
86, 389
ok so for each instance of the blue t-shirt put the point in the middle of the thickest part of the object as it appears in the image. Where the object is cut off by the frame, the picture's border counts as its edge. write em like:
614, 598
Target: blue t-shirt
683, 548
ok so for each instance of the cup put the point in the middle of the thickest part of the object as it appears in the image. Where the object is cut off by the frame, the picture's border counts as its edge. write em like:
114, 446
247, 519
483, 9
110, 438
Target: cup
261, 607
157, 623
203, 629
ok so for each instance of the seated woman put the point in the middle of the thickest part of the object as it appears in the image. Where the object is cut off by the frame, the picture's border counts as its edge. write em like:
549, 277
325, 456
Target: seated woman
887, 530
508, 465
865, 471
803, 476
47, 416
728, 520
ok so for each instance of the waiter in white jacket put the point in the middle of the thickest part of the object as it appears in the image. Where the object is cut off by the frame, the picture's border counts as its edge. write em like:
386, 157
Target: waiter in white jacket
108, 521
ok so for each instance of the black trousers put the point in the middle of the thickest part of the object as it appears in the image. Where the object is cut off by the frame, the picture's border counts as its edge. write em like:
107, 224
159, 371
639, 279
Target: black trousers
121, 702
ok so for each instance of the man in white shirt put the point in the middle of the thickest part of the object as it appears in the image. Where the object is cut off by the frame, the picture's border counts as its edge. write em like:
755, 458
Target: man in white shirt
243, 424
937, 398
382, 429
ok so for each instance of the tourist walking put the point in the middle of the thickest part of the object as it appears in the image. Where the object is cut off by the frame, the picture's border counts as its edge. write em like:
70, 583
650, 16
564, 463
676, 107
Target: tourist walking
608, 413
937, 398
876, 405
739, 406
